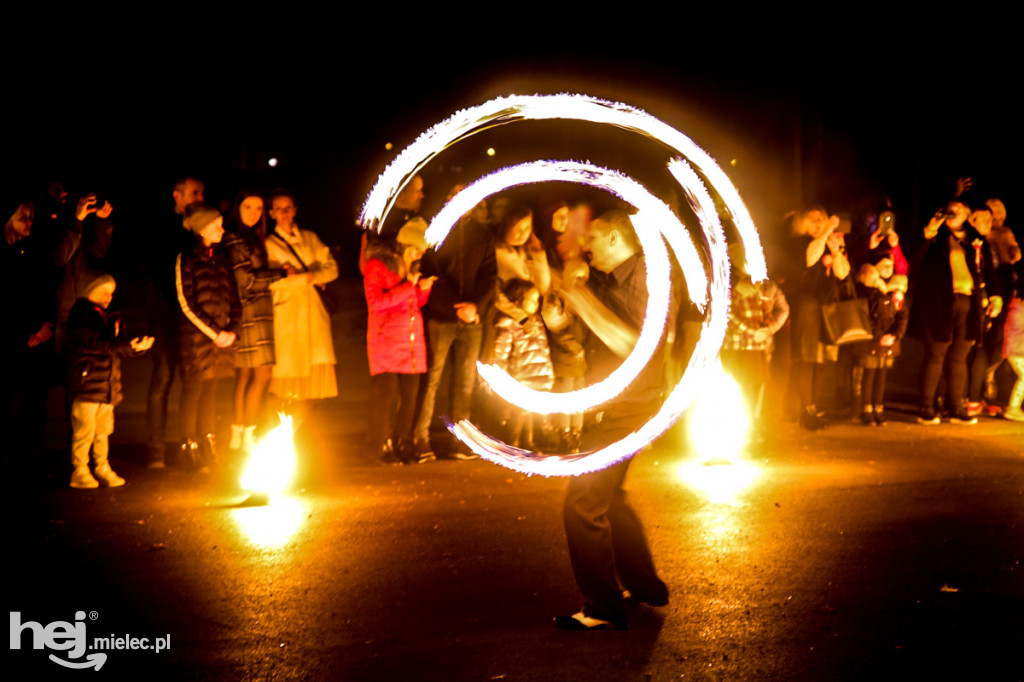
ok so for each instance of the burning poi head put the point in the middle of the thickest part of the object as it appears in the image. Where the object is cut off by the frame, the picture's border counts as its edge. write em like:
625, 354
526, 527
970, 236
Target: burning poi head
654, 221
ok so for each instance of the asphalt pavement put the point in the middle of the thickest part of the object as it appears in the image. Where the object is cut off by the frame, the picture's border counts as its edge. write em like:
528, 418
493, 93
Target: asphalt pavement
855, 553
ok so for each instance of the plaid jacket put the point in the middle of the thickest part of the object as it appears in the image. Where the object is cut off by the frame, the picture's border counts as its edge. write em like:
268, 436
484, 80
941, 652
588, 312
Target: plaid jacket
763, 306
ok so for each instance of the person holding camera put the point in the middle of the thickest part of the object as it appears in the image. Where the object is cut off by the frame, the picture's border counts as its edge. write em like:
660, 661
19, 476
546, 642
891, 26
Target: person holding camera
954, 289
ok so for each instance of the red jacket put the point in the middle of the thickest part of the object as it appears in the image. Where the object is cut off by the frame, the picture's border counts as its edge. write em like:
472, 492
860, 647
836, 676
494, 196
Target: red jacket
394, 337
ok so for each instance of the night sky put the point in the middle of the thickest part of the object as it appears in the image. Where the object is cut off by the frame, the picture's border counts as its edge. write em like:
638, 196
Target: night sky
795, 117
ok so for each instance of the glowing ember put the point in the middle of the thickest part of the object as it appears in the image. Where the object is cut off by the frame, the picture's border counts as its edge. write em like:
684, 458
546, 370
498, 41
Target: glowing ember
272, 463
651, 223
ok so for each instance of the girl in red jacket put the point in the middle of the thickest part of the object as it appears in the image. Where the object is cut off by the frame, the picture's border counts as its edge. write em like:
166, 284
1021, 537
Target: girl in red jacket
395, 342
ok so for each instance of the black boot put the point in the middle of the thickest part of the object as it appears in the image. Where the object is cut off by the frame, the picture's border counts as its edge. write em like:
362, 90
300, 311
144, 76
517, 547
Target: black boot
188, 455
207, 452
857, 375
387, 454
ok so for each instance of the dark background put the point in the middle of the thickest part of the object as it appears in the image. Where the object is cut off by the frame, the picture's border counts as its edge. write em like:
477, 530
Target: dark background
797, 110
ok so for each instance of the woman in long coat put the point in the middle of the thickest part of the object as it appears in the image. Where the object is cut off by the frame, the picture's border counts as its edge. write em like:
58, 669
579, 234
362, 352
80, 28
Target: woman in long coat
245, 243
302, 326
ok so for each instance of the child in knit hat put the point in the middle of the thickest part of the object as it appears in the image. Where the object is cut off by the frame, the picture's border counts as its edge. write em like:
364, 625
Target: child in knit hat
94, 380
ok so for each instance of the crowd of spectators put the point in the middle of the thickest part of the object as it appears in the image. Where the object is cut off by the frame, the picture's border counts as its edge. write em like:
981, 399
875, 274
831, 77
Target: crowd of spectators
245, 297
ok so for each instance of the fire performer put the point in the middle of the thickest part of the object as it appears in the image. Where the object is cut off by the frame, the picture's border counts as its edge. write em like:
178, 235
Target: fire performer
607, 546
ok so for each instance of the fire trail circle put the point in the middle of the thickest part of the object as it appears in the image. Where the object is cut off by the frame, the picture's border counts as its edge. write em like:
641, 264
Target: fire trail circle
653, 221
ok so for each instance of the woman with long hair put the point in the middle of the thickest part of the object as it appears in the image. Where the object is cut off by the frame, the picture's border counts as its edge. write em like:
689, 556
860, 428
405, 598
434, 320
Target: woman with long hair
254, 351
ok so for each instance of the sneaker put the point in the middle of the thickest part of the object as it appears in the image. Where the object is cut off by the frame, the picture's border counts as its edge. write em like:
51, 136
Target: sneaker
973, 408
928, 417
867, 417
993, 410
423, 452
1014, 414
108, 477
962, 418
879, 415
189, 457
83, 479
811, 420
462, 453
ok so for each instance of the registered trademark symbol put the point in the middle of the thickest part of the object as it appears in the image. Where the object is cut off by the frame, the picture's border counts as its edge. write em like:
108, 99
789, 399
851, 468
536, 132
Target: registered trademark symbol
93, 615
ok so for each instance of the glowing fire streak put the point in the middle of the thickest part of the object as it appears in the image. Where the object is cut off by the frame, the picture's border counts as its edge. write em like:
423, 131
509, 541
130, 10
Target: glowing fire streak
271, 466
502, 110
653, 219
578, 107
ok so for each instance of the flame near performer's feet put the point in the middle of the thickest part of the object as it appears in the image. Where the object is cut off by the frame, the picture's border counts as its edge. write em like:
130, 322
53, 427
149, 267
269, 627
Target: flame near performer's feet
272, 463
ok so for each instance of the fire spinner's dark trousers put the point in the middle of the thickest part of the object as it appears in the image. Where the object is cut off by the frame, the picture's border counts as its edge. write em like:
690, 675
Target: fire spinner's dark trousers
607, 545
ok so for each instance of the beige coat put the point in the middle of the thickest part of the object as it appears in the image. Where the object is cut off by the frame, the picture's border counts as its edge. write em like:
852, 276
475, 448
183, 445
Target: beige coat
302, 327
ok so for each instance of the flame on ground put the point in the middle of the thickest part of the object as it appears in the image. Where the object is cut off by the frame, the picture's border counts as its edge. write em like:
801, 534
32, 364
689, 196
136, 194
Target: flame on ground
272, 463
719, 424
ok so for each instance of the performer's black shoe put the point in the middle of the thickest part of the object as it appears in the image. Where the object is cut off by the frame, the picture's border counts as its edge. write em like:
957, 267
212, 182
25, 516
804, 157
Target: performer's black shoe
580, 621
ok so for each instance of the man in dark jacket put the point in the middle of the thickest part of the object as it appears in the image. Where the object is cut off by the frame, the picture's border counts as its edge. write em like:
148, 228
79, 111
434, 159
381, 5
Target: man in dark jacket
466, 272
94, 381
607, 545
164, 244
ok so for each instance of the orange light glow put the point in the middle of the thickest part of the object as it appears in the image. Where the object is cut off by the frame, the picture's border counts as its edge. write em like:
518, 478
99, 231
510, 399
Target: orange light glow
272, 463
718, 429
271, 526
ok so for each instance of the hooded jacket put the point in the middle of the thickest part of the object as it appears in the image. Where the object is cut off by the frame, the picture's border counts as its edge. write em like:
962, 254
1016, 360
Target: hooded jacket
94, 350
395, 342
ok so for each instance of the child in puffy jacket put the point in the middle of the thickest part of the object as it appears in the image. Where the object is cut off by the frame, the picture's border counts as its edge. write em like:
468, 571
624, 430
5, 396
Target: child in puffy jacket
521, 349
885, 294
94, 381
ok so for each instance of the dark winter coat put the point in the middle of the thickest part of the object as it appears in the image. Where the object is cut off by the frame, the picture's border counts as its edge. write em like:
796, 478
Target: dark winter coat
81, 252
209, 304
94, 350
395, 341
466, 272
885, 319
931, 293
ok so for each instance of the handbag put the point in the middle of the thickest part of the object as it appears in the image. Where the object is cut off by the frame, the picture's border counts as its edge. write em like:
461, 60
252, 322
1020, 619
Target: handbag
327, 298
847, 321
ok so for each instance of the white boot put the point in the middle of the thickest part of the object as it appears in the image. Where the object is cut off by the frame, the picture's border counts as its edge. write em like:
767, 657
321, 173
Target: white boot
236, 436
107, 476
83, 479
249, 438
